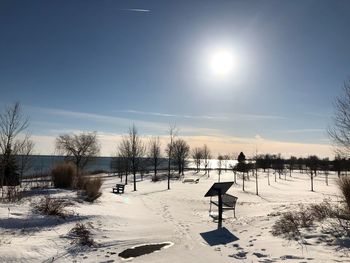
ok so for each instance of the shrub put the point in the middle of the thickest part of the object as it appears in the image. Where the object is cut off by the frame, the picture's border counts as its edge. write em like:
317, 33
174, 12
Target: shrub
82, 234
344, 186
51, 206
290, 223
63, 175
323, 210
287, 225
12, 194
80, 182
90, 186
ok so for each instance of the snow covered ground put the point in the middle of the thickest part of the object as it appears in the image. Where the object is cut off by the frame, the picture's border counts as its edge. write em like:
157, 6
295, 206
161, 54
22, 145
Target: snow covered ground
155, 215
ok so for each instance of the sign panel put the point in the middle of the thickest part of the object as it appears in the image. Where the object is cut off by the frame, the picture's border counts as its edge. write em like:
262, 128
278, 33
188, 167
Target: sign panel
219, 188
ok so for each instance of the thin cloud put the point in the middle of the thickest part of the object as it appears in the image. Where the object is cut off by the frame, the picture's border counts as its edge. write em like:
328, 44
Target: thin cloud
100, 118
185, 116
135, 10
228, 117
319, 115
302, 131
146, 126
257, 117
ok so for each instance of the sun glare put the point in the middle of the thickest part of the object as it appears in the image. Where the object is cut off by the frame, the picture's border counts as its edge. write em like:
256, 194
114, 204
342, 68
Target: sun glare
221, 62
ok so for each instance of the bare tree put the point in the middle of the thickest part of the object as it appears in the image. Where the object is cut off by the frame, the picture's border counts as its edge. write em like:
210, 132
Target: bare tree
206, 158
79, 148
12, 124
278, 166
226, 159
234, 170
292, 162
169, 150
181, 151
121, 165
154, 154
325, 165
340, 131
312, 164
256, 167
25, 150
220, 163
197, 156
132, 148
242, 167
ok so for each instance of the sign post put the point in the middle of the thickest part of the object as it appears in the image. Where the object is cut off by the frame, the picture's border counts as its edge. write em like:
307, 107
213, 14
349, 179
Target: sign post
218, 189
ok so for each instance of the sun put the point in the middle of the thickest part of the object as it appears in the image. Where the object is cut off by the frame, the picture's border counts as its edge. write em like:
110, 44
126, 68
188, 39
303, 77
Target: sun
221, 62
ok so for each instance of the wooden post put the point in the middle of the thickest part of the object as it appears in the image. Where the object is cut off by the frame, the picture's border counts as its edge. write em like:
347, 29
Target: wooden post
220, 209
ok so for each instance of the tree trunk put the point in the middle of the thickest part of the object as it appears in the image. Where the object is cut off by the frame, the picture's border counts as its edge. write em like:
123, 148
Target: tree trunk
243, 182
256, 183
134, 181
169, 173
155, 171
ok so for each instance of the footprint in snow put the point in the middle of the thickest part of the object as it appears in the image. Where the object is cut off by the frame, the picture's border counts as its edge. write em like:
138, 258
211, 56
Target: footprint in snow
240, 255
259, 255
290, 257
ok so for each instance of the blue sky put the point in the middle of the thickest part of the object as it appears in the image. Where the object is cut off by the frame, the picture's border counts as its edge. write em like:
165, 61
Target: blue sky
103, 65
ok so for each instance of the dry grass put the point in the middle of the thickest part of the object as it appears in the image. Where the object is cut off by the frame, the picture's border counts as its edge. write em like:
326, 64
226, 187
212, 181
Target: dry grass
323, 210
80, 181
289, 224
11, 194
344, 187
82, 235
51, 206
90, 187
63, 175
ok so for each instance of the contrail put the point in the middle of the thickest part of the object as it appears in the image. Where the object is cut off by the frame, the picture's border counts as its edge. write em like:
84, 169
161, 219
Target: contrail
135, 10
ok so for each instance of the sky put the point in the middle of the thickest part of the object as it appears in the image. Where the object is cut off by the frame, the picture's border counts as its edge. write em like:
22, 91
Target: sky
81, 66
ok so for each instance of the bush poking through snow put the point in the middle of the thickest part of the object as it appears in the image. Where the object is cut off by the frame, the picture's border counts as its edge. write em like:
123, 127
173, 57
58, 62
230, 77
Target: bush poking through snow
82, 235
12, 194
289, 224
51, 206
90, 186
63, 175
344, 187
323, 211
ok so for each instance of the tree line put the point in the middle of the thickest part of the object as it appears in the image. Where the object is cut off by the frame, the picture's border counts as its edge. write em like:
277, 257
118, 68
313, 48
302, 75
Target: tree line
16, 146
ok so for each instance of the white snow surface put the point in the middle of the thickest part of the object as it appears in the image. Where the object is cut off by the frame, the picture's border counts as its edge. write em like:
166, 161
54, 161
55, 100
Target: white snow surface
153, 214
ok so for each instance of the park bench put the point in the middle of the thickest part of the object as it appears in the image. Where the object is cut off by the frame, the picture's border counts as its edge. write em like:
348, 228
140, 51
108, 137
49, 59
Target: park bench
119, 188
228, 203
191, 180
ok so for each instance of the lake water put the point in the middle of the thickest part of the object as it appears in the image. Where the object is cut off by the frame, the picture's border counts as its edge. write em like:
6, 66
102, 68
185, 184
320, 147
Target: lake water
42, 164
